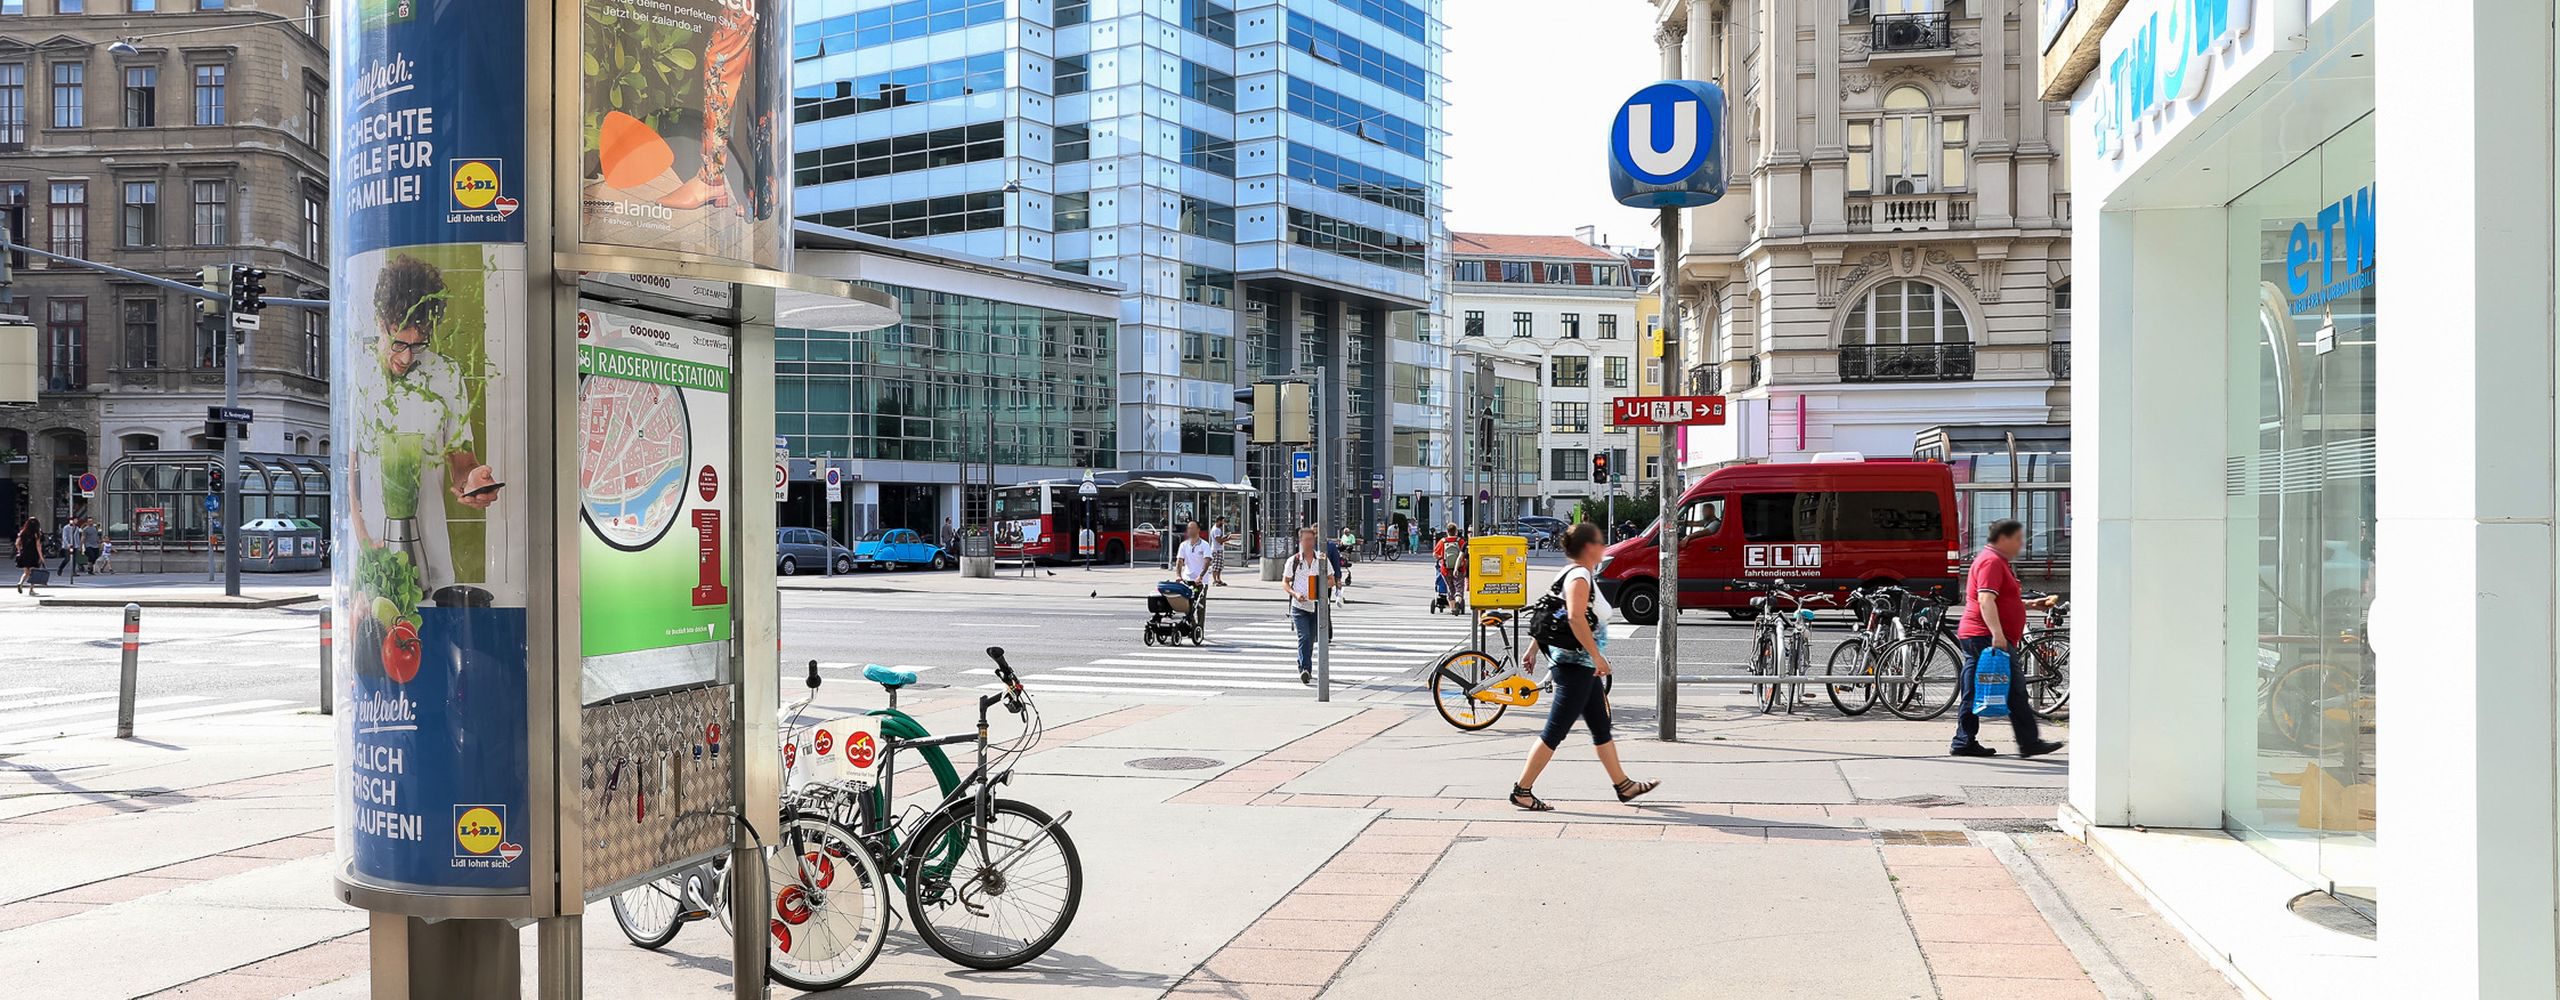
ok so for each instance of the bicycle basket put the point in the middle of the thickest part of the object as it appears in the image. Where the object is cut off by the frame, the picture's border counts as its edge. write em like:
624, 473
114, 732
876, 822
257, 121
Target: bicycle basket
842, 751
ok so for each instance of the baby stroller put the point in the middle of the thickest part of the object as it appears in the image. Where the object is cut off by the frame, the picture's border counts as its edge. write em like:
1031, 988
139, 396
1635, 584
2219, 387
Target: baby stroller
1176, 611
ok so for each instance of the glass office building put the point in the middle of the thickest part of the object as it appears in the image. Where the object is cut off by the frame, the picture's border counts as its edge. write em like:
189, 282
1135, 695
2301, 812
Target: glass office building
1262, 179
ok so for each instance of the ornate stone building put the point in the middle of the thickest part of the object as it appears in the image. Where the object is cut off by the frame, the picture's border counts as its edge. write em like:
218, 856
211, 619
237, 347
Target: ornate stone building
1893, 253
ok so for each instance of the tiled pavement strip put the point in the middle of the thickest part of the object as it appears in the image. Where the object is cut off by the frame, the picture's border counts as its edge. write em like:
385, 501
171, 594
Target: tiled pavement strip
1977, 930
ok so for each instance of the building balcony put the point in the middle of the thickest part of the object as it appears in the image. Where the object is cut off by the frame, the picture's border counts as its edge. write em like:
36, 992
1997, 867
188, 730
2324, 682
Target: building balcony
1706, 380
1909, 213
1928, 32
2058, 358
1755, 371
1906, 363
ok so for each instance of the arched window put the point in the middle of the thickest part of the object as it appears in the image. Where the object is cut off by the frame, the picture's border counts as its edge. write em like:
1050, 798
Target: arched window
1907, 149
1906, 312
140, 442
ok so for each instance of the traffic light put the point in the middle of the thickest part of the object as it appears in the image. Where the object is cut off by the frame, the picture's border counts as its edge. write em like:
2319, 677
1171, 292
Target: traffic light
248, 290
1278, 412
1257, 398
213, 479
1600, 468
214, 278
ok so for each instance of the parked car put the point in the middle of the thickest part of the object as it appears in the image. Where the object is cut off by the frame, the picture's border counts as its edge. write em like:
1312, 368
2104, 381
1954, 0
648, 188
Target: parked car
898, 548
810, 550
1821, 526
1539, 536
1553, 526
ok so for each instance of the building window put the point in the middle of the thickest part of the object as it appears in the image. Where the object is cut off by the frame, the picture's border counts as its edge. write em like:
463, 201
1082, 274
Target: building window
1359, 180
1604, 274
1362, 59
1208, 286
1071, 143
1209, 219
1467, 270
1363, 121
142, 333
212, 106
1569, 372
1072, 12
1913, 151
1208, 432
1211, 20
906, 220
142, 6
899, 154
315, 113
1515, 272
68, 109
208, 341
1573, 326
141, 214
1614, 372
1558, 274
1951, 153
1652, 468
1862, 157
141, 96
13, 104
1070, 212
979, 74
1355, 241
1475, 322
1906, 312
1208, 86
1569, 418
315, 234
1520, 325
315, 344
1070, 76
1208, 152
66, 359
1652, 372
209, 4
212, 213
1608, 326
1569, 464
70, 218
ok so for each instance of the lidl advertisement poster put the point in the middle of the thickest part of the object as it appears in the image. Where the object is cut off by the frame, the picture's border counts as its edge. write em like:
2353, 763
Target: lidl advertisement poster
683, 126
654, 479
429, 306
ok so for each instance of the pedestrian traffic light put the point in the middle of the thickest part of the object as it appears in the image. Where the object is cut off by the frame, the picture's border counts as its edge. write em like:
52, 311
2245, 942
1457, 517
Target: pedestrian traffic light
248, 290
215, 278
213, 481
1600, 468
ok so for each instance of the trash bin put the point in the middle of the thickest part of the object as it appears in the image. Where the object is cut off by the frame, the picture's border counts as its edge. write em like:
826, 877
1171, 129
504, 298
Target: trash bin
278, 545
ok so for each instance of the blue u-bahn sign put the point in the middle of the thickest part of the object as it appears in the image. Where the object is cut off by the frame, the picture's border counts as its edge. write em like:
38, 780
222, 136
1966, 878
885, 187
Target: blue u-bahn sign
1666, 149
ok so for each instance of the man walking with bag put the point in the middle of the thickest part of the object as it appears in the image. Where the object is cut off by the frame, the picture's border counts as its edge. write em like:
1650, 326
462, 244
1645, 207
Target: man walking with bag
1995, 615
1307, 578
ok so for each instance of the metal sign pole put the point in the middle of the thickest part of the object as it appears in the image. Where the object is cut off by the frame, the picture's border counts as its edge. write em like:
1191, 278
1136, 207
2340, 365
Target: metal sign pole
1666, 649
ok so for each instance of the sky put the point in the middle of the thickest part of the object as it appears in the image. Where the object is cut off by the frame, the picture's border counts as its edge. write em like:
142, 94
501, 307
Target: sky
1533, 85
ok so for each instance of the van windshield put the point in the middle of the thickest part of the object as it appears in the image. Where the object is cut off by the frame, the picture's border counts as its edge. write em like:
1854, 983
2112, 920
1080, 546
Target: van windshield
1895, 516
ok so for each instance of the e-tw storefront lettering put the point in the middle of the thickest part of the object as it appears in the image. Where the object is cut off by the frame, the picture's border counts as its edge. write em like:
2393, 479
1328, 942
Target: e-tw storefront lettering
2166, 59
2342, 250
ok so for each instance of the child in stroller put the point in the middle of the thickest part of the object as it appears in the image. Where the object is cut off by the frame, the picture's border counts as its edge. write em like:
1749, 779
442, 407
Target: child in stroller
1177, 611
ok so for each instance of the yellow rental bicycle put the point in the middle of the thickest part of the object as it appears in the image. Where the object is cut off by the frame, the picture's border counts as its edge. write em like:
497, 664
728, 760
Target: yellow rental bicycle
1472, 687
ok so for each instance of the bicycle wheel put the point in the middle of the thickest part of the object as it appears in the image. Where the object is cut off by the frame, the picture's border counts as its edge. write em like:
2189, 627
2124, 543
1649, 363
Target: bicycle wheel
827, 905
1932, 671
2306, 700
1457, 674
1849, 659
650, 913
2048, 672
997, 902
1764, 662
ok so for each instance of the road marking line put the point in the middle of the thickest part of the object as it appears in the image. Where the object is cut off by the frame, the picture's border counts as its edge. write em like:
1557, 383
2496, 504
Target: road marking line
188, 713
77, 711
1159, 667
1077, 689
59, 699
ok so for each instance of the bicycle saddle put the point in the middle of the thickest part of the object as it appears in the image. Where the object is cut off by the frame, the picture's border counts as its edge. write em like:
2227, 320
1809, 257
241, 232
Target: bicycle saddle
1496, 617
887, 678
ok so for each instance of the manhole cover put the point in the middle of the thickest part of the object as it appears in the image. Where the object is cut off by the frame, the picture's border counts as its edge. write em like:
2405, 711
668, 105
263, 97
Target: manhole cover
1174, 763
2330, 912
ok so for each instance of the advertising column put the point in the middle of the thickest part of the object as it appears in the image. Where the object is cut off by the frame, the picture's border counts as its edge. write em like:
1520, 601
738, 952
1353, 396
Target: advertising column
429, 285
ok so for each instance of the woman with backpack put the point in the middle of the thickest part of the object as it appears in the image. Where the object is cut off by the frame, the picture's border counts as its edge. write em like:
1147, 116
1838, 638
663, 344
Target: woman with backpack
1580, 672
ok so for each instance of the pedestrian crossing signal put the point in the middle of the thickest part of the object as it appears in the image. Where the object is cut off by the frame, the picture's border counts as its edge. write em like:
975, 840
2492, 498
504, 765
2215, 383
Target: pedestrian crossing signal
1600, 468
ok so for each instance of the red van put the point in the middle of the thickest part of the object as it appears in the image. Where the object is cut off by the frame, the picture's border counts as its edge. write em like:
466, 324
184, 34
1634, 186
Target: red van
1833, 526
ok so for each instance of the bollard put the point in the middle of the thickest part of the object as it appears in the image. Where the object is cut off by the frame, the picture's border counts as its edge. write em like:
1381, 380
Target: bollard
328, 696
132, 655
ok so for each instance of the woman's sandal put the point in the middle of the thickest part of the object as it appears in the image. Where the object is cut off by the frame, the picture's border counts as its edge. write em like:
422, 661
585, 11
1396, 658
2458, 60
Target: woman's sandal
1630, 789
1525, 799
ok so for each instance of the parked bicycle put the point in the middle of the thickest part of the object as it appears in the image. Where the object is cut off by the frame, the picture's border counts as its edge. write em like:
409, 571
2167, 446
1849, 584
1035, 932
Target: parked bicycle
1902, 642
1472, 687
2044, 664
1781, 641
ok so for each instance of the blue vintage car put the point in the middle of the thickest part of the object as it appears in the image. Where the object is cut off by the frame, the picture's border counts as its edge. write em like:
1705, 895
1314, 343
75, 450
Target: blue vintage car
897, 548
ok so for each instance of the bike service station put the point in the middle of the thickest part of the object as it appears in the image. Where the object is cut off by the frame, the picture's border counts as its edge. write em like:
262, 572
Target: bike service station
557, 280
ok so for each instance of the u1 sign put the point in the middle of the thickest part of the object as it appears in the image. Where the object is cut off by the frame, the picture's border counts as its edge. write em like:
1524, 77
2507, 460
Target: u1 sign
1666, 149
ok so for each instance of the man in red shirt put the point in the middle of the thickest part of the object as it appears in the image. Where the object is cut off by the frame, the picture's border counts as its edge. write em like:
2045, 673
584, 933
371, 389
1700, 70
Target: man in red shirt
1995, 614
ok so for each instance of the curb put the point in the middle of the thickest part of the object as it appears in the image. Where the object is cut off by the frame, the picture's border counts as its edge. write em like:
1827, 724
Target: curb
243, 603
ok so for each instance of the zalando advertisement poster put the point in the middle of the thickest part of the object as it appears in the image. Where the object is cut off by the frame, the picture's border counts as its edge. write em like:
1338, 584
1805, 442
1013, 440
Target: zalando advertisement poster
683, 125
654, 485
429, 295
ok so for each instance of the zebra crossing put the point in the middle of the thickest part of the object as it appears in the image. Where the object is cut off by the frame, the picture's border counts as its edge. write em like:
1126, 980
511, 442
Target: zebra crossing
1371, 645
42, 713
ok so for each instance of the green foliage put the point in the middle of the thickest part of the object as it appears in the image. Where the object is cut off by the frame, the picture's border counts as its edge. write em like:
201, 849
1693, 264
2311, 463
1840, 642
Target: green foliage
637, 66
1640, 507
388, 575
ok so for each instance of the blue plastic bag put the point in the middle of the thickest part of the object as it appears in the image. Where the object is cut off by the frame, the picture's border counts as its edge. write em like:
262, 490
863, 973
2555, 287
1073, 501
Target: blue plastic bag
1991, 685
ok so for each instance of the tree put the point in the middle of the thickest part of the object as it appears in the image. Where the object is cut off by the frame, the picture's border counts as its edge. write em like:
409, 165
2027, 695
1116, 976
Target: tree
1641, 507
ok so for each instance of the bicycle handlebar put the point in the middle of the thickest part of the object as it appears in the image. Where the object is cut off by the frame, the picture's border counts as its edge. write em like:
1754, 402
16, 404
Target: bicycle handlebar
1013, 694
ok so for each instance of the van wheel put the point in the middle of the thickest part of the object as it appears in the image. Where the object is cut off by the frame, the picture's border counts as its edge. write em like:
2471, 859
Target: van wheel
1740, 614
1638, 603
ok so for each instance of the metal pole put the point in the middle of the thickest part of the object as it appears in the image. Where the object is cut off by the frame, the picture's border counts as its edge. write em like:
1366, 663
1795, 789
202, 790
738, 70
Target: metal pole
1324, 532
1666, 649
132, 666
232, 343
559, 968
827, 460
328, 690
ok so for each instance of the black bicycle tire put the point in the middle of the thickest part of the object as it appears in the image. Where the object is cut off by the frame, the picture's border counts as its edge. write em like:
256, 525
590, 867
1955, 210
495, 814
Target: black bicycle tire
1442, 668
659, 940
773, 970
1066, 914
1917, 704
1865, 666
2040, 661
1764, 663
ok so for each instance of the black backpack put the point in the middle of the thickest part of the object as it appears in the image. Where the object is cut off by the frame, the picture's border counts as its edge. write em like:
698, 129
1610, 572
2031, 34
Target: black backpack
1548, 623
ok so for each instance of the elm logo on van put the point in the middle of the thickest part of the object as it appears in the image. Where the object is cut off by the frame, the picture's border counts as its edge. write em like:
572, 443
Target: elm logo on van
1780, 558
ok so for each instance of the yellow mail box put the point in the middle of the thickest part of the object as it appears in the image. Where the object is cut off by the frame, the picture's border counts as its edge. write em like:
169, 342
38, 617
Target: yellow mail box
1498, 571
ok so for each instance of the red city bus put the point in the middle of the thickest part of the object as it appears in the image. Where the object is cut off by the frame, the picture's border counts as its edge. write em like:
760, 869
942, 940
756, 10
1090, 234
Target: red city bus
1132, 513
1820, 526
